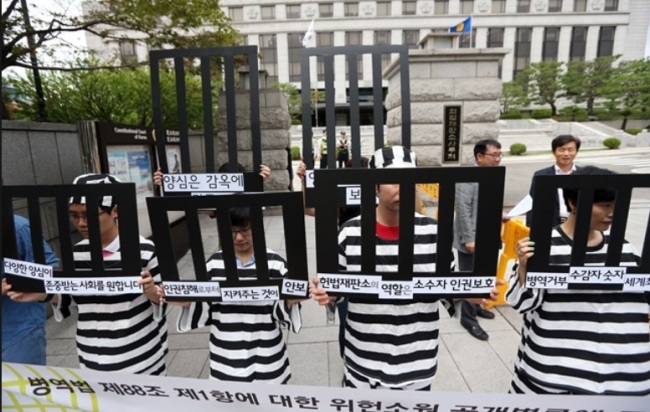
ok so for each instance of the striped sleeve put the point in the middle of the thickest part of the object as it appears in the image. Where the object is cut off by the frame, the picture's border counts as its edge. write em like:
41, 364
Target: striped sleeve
195, 316
520, 297
61, 309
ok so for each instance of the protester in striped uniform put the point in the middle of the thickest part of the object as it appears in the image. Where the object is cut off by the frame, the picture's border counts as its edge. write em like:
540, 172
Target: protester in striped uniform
394, 344
581, 341
246, 341
126, 333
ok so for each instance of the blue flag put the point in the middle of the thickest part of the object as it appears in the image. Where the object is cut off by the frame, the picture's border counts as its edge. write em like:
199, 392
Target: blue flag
464, 26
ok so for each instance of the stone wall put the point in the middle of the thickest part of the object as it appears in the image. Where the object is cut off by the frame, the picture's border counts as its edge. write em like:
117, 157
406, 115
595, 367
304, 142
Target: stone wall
446, 77
275, 123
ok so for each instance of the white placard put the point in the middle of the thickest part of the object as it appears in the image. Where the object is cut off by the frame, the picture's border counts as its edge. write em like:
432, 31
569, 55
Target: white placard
93, 286
524, 206
637, 282
353, 195
333, 282
453, 285
597, 274
309, 179
396, 289
203, 182
27, 269
295, 287
542, 280
54, 388
251, 293
192, 289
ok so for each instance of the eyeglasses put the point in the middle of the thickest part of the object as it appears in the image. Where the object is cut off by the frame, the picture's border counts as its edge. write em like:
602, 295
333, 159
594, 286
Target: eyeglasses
244, 232
495, 155
76, 217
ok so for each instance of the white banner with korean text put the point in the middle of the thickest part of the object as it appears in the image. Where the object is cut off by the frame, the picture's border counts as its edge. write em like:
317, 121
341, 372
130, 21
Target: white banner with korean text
39, 388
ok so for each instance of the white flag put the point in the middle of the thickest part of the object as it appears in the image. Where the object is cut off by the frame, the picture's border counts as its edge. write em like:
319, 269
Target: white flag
309, 39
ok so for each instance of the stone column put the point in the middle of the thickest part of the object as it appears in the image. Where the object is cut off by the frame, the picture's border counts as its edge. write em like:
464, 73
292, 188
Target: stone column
275, 123
439, 77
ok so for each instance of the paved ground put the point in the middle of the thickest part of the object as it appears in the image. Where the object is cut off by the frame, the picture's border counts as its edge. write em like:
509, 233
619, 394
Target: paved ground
466, 364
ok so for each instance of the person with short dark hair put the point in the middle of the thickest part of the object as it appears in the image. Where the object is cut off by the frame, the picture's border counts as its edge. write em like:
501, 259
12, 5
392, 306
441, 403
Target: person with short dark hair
342, 150
486, 153
117, 333
246, 341
581, 341
390, 345
565, 149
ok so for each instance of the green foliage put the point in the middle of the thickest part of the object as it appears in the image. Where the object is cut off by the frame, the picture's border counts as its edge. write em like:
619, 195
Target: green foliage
158, 24
117, 96
633, 131
517, 149
611, 143
514, 93
541, 114
292, 94
545, 85
512, 114
584, 81
295, 153
572, 114
628, 88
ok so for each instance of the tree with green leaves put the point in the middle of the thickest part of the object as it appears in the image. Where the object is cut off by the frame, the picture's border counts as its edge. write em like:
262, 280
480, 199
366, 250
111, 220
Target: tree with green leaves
515, 93
292, 94
629, 88
545, 84
176, 24
109, 95
584, 81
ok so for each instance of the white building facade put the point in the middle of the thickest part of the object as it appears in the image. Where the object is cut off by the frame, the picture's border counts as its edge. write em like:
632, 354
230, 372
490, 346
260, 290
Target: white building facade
534, 30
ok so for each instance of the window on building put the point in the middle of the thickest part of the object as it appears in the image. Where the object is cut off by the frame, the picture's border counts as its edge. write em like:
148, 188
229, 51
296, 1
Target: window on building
383, 8
268, 12
466, 6
236, 13
269, 53
293, 11
295, 44
326, 10
611, 5
578, 44
522, 49
354, 38
409, 8
554, 6
441, 7
323, 40
465, 42
551, 39
498, 6
495, 37
523, 6
351, 9
606, 41
580, 5
411, 38
383, 37
127, 52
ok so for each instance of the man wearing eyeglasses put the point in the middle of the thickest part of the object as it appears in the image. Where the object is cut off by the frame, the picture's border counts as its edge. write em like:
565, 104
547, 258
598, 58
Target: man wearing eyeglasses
565, 149
486, 153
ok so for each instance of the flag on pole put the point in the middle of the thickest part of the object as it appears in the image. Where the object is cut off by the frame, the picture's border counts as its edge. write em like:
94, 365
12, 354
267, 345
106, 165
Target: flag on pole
464, 26
309, 39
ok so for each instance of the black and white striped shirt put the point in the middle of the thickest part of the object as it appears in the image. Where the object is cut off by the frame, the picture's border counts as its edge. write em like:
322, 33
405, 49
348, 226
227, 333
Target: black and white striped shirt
246, 341
126, 333
392, 344
582, 341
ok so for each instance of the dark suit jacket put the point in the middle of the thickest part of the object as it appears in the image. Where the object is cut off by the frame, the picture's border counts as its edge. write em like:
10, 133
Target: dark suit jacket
556, 214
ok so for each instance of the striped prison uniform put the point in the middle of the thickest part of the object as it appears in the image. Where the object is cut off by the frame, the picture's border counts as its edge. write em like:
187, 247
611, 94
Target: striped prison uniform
246, 341
582, 341
126, 333
391, 343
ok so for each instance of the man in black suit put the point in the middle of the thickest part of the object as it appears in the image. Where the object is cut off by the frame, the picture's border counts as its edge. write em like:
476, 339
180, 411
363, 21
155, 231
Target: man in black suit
565, 149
